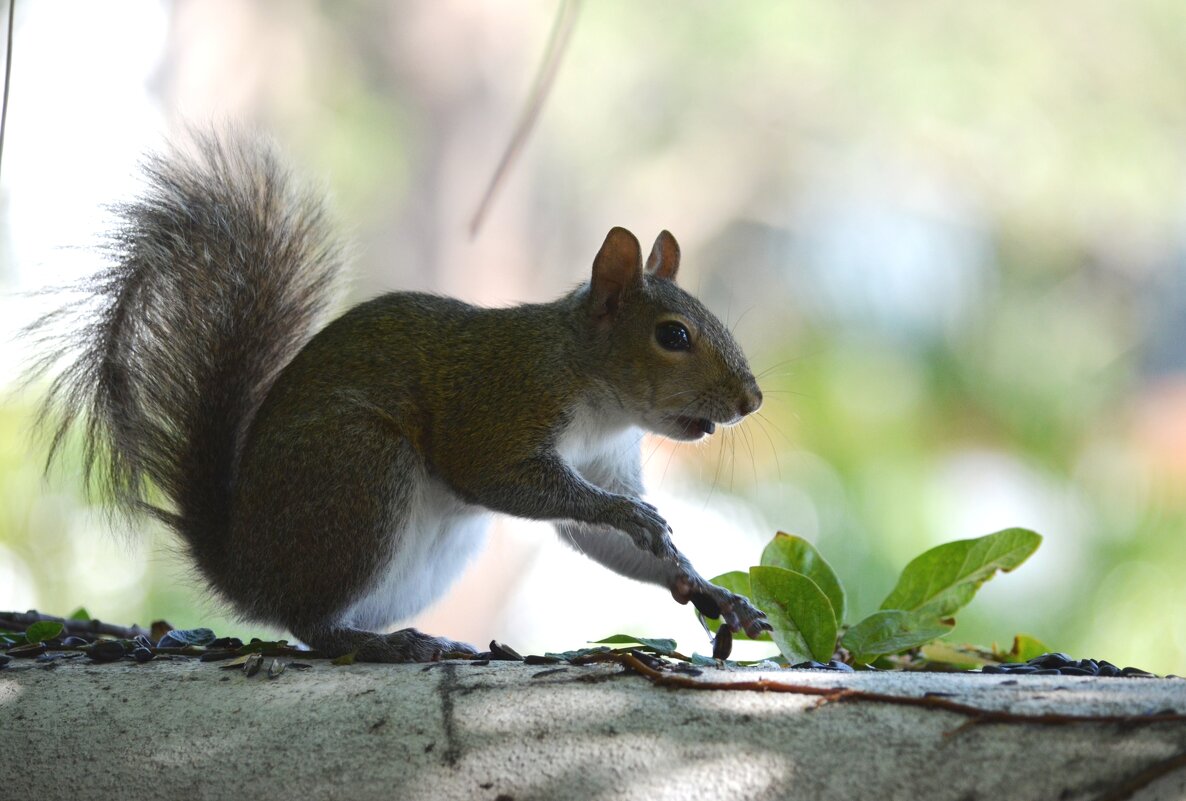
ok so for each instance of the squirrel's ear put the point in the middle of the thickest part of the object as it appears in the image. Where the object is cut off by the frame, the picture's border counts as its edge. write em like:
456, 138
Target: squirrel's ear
664, 259
616, 269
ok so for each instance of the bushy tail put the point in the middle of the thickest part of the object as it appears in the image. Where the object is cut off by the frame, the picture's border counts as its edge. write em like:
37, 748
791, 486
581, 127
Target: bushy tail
219, 274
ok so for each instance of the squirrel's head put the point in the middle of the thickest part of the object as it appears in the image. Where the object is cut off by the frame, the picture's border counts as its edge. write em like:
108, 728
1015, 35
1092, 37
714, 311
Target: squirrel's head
669, 361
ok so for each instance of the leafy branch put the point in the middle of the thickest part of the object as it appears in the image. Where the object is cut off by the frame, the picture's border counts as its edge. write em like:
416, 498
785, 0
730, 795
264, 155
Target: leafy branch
806, 603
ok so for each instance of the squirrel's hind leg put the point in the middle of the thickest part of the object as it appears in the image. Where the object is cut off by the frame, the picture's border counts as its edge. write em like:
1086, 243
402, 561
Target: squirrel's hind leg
405, 645
334, 543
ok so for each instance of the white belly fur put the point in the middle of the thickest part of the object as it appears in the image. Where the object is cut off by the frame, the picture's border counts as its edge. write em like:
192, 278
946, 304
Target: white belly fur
441, 533
438, 537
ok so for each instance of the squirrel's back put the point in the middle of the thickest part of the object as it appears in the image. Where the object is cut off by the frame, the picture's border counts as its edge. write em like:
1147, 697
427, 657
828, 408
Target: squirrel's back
446, 373
219, 273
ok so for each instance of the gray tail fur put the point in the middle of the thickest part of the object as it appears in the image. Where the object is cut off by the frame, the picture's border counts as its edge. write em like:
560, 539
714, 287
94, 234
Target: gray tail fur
219, 273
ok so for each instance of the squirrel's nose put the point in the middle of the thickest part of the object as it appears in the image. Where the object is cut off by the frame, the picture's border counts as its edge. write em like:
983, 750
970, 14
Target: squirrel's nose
751, 401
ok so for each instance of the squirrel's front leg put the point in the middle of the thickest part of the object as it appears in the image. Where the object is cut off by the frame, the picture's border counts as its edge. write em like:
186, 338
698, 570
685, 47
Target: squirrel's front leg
668, 568
717, 602
594, 518
546, 488
672, 571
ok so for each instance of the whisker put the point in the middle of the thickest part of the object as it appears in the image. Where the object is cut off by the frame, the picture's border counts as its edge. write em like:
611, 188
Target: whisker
775, 426
733, 328
688, 405
771, 375
716, 475
732, 457
677, 394
777, 365
782, 395
667, 466
654, 449
773, 449
749, 443
695, 399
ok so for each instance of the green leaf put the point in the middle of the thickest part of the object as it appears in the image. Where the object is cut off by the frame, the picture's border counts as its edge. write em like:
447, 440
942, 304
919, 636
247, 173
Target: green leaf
943, 579
890, 632
43, 630
795, 553
1024, 649
580, 653
961, 657
736, 581
659, 646
81, 614
802, 616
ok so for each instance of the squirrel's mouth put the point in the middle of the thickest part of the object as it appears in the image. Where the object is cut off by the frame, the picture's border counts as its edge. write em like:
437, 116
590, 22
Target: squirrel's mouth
690, 428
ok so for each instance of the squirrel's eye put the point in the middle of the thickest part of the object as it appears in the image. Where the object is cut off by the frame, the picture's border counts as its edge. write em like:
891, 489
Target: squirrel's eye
673, 336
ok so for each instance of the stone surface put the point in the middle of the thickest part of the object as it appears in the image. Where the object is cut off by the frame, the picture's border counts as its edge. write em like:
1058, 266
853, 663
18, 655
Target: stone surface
185, 729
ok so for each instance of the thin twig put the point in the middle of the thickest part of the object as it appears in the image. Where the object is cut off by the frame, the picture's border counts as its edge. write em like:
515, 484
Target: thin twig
566, 17
7, 74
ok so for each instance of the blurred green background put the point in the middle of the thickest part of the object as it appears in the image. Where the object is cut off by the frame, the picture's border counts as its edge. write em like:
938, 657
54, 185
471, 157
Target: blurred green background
950, 236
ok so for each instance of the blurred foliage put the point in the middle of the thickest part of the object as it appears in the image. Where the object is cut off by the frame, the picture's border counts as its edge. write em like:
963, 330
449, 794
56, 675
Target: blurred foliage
955, 232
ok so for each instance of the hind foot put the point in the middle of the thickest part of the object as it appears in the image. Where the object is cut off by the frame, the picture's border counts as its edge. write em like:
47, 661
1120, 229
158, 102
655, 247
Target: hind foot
405, 645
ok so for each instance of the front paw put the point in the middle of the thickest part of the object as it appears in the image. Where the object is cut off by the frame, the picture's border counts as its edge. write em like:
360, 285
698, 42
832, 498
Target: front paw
642, 523
717, 602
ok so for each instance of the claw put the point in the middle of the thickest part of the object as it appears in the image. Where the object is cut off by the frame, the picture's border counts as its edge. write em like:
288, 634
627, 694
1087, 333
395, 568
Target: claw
757, 627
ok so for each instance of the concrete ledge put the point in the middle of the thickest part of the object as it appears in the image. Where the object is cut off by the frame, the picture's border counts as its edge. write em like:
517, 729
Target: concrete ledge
183, 729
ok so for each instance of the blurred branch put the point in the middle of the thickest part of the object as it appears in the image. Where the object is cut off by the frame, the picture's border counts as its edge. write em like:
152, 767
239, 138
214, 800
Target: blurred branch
7, 74
20, 621
566, 17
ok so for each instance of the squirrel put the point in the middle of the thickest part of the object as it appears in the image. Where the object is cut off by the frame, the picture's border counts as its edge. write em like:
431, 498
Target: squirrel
335, 480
